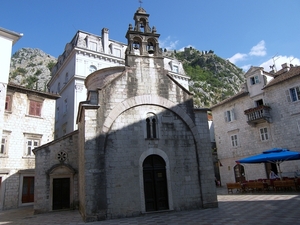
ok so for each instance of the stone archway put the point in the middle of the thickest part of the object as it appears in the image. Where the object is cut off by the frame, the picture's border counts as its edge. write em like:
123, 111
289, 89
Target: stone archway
61, 187
164, 157
150, 100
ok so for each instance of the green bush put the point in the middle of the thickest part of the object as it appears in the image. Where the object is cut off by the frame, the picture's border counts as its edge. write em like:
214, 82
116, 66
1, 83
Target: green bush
38, 72
51, 65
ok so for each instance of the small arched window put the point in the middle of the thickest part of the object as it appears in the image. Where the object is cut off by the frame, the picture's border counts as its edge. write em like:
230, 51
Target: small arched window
92, 69
154, 128
148, 124
151, 127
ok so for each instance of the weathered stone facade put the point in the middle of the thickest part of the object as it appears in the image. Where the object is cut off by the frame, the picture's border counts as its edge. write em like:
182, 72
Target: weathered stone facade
83, 55
21, 133
267, 96
141, 145
57, 159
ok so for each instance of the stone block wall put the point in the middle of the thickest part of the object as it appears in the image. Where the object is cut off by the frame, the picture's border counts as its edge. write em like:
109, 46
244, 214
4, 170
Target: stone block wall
114, 143
17, 126
283, 131
47, 165
204, 155
126, 143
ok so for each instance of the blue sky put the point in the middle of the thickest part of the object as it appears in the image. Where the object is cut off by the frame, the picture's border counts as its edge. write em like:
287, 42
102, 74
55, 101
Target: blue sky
247, 32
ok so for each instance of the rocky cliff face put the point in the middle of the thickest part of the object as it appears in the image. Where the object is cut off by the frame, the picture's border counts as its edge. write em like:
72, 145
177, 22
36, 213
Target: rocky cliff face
31, 68
213, 79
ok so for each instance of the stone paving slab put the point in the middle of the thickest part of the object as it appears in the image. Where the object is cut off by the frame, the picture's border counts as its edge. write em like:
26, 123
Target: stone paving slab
265, 209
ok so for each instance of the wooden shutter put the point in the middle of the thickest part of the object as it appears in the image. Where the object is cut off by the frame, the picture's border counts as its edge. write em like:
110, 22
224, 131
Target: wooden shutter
31, 108
35, 108
38, 109
232, 114
288, 97
8, 103
225, 116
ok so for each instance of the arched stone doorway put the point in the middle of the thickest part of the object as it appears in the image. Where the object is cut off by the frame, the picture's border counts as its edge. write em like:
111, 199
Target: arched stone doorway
155, 183
239, 173
61, 188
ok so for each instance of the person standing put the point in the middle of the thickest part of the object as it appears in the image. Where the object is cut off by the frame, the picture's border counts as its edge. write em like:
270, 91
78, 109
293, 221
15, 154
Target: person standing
273, 175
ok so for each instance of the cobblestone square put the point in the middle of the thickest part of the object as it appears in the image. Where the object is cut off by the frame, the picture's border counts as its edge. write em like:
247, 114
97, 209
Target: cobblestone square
267, 209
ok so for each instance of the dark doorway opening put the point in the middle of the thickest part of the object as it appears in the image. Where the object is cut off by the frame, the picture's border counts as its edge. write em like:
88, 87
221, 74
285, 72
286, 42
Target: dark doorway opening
239, 173
271, 166
61, 193
155, 183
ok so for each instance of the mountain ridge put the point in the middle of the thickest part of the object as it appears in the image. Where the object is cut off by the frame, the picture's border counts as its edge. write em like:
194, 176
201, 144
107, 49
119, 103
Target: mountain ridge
212, 79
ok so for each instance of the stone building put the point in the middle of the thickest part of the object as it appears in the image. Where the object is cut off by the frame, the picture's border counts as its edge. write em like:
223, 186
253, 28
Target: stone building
7, 40
140, 145
264, 115
84, 54
28, 123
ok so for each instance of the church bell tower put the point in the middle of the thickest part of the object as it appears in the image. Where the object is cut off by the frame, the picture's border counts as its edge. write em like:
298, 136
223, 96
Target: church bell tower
142, 40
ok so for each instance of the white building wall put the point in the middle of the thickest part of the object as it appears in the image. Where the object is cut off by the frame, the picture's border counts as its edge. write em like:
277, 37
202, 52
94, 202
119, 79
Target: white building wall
7, 39
5, 55
283, 130
18, 126
89, 50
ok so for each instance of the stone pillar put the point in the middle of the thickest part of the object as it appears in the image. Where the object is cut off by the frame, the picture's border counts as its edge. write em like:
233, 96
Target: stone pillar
92, 182
206, 169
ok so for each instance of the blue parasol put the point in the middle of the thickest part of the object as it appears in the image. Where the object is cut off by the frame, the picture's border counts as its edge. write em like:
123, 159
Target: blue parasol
274, 155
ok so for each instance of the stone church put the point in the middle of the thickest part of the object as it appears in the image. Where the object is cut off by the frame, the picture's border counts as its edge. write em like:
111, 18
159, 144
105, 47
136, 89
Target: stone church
140, 145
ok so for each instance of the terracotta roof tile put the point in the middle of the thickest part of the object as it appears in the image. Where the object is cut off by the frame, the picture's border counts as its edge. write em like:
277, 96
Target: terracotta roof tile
283, 76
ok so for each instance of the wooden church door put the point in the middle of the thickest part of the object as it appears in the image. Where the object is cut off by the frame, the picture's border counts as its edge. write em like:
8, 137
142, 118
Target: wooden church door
61, 193
155, 183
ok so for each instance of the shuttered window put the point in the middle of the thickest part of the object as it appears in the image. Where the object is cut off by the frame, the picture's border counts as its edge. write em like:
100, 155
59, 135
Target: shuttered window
8, 102
229, 115
35, 108
293, 94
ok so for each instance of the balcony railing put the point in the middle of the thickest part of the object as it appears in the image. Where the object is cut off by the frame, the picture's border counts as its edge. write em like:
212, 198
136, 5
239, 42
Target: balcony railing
259, 114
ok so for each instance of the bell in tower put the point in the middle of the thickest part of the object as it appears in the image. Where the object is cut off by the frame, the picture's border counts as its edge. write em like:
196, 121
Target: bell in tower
142, 40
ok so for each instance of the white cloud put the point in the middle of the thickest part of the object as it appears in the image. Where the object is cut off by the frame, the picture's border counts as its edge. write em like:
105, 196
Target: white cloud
278, 61
259, 49
237, 57
246, 67
168, 43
